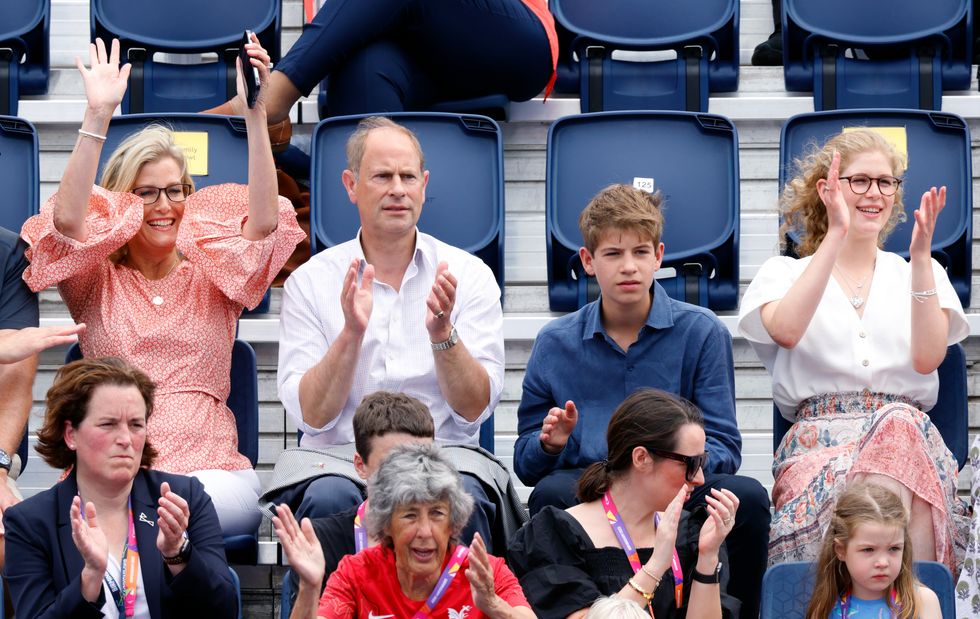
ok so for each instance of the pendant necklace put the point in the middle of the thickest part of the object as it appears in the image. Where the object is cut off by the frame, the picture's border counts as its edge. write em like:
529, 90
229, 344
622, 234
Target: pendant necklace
158, 300
856, 300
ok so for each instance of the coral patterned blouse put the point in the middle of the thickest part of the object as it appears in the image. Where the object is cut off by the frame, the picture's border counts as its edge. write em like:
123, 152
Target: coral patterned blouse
178, 329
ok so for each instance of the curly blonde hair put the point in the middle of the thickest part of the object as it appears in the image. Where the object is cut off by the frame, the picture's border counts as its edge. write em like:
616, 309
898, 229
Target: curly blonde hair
800, 203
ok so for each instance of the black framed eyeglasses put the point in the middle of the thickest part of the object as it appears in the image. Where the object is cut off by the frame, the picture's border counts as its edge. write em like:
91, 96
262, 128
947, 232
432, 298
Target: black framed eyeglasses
692, 464
175, 193
861, 183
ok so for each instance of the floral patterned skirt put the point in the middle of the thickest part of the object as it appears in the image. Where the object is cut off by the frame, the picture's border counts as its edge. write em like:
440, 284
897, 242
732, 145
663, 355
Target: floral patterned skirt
968, 586
837, 436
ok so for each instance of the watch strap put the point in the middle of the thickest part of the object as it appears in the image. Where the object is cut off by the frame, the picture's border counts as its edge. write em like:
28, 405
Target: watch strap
447, 344
182, 555
5, 460
709, 579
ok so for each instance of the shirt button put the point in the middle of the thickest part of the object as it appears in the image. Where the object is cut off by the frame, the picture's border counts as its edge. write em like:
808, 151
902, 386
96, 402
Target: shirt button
865, 363
629, 368
862, 334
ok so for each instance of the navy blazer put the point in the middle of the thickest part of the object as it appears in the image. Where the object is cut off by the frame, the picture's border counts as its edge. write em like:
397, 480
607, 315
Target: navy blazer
43, 567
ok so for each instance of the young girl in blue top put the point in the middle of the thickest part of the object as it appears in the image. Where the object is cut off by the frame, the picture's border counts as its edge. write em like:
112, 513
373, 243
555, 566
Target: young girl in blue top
865, 566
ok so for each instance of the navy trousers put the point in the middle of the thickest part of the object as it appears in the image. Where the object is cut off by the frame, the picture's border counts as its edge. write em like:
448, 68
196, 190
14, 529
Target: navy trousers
397, 55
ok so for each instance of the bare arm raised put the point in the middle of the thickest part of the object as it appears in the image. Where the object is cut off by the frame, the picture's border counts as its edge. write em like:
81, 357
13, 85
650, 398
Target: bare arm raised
787, 319
930, 322
263, 194
105, 85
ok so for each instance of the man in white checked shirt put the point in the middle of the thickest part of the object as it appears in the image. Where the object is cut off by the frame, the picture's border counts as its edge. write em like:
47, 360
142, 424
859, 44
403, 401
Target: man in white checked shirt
391, 309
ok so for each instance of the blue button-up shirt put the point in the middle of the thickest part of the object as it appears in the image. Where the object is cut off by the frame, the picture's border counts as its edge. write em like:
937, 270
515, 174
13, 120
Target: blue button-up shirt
683, 349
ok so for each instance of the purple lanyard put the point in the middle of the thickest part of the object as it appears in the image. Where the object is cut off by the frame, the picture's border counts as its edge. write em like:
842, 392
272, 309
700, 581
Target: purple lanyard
845, 604
626, 542
456, 562
360, 532
126, 599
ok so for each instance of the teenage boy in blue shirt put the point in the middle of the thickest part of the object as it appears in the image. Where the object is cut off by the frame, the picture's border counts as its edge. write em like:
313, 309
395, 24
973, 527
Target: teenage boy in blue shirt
585, 363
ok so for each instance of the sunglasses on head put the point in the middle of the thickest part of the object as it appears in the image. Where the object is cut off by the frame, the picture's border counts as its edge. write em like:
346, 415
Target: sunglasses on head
692, 464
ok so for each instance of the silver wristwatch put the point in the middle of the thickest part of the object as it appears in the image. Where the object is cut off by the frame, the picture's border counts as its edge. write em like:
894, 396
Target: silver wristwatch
453, 338
5, 461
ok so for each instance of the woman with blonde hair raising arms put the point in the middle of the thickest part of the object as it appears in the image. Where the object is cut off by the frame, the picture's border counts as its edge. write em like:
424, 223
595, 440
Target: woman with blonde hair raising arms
160, 274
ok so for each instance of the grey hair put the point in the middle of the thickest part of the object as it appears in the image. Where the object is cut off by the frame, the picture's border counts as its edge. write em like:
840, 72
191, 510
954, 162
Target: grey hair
615, 607
416, 473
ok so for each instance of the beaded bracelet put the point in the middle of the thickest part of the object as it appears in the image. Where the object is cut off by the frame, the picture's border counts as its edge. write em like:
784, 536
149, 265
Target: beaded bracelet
656, 579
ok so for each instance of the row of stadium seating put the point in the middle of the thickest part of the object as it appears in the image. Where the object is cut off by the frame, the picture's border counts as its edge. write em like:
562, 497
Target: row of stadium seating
691, 157
849, 55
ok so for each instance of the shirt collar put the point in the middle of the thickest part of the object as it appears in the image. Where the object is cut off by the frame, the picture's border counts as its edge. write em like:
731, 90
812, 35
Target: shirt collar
425, 252
661, 314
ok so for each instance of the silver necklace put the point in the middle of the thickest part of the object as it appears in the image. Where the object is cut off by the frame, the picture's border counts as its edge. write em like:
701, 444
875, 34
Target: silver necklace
158, 300
856, 300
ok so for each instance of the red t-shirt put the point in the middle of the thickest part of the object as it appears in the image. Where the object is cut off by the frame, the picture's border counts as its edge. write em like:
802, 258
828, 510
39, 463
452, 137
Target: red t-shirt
366, 586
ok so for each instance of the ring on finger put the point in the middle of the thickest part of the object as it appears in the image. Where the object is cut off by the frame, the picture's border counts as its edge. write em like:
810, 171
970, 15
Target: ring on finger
440, 314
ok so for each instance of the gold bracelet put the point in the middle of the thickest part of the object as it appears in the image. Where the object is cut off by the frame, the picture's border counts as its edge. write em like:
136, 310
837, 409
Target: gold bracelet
656, 579
646, 595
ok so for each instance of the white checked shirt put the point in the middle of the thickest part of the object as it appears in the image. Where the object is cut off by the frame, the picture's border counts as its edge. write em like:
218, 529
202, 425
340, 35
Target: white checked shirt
395, 354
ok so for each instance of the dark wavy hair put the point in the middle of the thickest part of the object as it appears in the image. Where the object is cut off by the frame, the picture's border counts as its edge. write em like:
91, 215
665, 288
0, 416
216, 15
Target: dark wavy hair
68, 400
648, 418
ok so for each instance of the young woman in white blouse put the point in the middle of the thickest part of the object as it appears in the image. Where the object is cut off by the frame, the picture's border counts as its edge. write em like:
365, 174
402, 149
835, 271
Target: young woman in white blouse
852, 336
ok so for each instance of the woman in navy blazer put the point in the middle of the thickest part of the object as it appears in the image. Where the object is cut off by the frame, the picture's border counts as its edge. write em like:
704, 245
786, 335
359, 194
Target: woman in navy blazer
69, 548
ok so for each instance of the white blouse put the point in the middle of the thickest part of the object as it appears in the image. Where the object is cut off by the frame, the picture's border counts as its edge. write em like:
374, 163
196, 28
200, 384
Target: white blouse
840, 350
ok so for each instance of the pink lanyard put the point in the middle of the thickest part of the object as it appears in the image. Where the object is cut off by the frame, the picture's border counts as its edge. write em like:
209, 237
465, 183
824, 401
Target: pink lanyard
126, 599
456, 562
619, 528
360, 533
845, 604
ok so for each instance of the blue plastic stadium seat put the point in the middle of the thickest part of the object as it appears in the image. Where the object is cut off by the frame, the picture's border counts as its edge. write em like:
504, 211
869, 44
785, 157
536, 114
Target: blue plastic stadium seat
25, 59
939, 154
243, 400
877, 53
464, 203
227, 152
787, 587
950, 415
191, 27
691, 158
19, 175
701, 38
